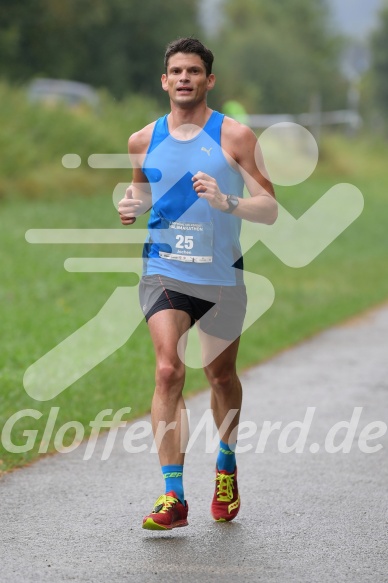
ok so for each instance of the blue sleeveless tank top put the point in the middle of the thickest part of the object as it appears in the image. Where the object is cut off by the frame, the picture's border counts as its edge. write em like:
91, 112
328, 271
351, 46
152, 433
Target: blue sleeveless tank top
188, 239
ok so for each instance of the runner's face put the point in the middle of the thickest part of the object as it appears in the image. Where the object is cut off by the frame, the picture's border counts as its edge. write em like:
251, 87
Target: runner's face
186, 81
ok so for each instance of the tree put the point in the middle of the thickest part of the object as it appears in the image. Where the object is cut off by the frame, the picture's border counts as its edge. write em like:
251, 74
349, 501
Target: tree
117, 44
379, 47
278, 55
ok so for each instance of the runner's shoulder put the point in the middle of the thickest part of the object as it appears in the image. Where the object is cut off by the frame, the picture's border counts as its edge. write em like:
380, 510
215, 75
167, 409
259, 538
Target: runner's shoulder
235, 131
139, 141
237, 139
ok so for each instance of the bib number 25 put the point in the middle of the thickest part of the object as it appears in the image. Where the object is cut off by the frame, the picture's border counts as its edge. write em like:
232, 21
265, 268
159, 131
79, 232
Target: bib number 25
184, 242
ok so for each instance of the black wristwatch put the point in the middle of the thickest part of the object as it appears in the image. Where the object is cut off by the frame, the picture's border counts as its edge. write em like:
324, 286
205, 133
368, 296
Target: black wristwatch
232, 203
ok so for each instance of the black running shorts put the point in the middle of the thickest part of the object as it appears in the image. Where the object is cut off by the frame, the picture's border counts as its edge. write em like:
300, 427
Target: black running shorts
219, 309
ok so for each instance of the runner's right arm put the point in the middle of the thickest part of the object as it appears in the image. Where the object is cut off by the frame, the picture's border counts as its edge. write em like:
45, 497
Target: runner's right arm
137, 200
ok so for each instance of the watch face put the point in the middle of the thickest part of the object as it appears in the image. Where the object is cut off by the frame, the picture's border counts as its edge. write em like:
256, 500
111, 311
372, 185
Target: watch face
233, 203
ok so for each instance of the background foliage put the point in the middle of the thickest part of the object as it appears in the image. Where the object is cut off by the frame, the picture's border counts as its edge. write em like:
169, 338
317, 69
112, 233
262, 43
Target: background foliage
116, 44
272, 56
279, 55
379, 46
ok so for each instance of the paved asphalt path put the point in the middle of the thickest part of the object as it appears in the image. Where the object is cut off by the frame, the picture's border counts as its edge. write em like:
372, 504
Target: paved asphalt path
309, 516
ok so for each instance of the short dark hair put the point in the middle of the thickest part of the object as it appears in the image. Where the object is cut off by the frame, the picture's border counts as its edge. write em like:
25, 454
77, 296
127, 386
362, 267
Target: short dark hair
190, 45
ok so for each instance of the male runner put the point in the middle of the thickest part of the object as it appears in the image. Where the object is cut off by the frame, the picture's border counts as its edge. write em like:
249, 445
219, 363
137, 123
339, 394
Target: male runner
190, 167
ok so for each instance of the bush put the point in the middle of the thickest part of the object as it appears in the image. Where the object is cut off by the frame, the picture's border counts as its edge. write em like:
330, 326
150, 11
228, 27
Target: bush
35, 137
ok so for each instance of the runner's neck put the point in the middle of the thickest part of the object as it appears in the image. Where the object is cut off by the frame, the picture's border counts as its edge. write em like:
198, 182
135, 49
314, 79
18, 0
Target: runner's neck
186, 124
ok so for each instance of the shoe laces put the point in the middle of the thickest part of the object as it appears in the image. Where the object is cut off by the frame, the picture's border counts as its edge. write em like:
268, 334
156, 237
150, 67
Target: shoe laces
164, 503
224, 487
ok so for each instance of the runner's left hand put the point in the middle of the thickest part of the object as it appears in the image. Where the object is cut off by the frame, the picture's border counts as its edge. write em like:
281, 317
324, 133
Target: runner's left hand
206, 187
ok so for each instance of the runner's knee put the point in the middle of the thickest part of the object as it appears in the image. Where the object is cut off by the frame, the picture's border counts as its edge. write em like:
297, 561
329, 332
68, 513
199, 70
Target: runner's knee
221, 379
170, 376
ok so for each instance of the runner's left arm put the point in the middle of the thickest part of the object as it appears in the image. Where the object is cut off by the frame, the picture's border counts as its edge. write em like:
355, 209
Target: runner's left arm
243, 149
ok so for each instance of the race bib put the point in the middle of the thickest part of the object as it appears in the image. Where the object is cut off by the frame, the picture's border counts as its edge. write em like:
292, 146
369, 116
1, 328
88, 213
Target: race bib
189, 242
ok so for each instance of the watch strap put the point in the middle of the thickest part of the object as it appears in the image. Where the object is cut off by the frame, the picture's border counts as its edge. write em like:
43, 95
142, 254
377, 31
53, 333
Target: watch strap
232, 201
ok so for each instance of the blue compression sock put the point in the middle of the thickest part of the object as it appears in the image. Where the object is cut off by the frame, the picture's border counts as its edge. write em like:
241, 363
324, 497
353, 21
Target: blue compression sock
226, 459
173, 476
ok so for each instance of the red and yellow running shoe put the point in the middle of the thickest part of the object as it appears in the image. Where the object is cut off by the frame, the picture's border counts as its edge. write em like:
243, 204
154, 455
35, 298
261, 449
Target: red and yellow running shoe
168, 513
226, 499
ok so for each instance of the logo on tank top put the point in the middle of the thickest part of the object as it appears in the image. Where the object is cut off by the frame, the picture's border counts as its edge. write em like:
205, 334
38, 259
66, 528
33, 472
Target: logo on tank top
203, 149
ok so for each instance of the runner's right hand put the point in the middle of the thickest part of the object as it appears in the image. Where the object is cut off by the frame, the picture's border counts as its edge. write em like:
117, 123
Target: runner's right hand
128, 208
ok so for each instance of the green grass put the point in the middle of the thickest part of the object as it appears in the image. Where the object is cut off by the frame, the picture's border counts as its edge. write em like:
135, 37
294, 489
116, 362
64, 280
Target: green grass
41, 304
